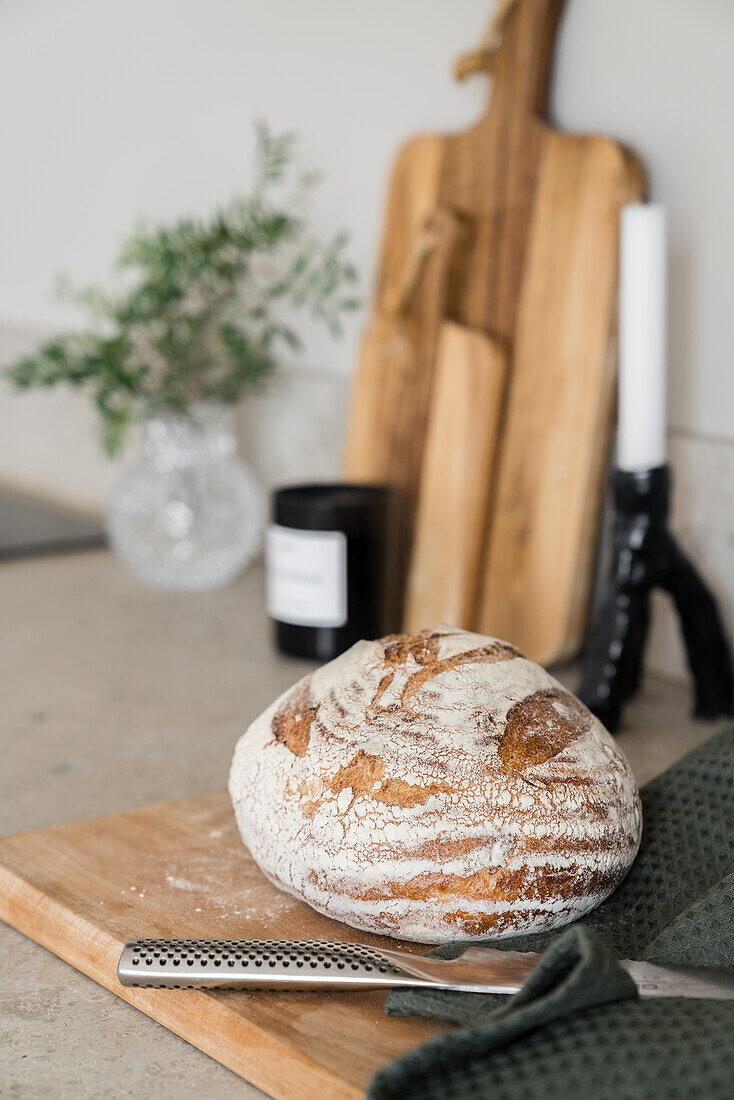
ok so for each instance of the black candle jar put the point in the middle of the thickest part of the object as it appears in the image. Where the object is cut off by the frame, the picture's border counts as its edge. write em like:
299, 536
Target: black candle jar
328, 565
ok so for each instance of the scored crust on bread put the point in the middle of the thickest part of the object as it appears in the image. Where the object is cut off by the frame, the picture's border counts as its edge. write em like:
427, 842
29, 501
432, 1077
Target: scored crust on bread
436, 786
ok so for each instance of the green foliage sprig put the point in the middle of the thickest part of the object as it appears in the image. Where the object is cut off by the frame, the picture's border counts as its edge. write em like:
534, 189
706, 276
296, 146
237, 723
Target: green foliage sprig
201, 317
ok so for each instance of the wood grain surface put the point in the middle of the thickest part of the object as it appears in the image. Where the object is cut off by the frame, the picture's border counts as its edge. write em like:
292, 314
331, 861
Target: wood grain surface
456, 479
535, 269
392, 390
179, 870
543, 526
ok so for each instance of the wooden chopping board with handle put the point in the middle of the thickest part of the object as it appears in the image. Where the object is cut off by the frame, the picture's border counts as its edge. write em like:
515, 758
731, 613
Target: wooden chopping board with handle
535, 269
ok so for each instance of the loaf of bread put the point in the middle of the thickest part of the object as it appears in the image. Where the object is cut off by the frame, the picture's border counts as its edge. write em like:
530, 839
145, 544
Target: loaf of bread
436, 787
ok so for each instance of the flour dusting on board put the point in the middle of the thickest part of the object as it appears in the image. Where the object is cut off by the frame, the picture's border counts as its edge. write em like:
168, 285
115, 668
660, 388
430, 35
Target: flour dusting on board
224, 892
180, 883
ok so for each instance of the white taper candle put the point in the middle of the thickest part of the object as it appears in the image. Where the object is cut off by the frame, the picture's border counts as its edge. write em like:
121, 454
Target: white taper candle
642, 337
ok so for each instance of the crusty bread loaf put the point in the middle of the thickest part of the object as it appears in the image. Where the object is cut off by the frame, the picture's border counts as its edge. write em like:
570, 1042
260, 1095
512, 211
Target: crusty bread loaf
436, 786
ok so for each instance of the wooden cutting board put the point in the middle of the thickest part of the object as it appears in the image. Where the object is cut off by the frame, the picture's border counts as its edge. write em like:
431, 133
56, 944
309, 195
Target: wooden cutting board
543, 527
393, 388
457, 477
535, 270
179, 869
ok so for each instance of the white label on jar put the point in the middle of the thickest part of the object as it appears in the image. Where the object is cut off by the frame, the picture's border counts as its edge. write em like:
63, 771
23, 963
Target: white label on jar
306, 576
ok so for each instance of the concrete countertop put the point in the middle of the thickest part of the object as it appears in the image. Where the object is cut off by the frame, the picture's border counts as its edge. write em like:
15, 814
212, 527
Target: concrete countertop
113, 696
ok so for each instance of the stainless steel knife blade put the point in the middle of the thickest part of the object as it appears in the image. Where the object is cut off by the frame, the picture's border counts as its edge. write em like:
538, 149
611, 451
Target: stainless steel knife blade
311, 965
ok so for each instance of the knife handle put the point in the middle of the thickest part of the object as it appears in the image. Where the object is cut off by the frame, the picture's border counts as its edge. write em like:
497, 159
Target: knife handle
257, 964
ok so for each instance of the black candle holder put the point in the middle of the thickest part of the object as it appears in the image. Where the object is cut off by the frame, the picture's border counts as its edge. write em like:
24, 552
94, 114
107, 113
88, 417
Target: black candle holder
646, 556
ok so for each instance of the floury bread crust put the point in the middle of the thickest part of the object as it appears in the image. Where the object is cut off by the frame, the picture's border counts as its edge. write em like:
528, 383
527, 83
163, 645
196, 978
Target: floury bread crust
436, 787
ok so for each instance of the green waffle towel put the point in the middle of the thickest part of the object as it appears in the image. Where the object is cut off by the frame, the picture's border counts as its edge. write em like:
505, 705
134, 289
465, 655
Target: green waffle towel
578, 1029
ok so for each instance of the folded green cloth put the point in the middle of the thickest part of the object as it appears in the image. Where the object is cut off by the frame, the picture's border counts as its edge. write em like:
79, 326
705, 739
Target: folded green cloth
577, 1028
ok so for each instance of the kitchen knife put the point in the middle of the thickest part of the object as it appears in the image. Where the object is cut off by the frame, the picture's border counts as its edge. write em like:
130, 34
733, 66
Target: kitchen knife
310, 965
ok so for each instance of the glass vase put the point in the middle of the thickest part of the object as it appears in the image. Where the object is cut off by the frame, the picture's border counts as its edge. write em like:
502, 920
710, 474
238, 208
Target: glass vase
189, 514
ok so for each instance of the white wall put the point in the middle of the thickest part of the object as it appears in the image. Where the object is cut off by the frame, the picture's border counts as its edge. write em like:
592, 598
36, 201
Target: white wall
115, 109
112, 110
